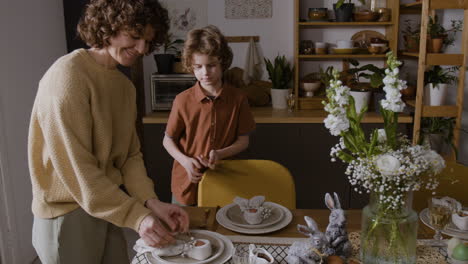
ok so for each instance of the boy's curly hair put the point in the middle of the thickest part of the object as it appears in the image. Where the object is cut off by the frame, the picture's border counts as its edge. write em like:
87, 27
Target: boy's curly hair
102, 19
208, 41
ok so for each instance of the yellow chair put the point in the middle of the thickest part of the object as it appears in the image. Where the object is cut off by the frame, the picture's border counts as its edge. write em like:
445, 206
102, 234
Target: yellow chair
247, 178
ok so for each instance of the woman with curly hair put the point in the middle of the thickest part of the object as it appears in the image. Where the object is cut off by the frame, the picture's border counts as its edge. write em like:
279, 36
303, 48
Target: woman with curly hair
87, 172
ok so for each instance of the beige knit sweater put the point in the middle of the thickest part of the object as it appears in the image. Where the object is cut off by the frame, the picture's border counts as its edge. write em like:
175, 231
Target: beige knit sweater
83, 144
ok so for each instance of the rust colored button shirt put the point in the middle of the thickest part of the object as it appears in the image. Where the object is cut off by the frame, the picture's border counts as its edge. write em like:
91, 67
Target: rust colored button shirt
198, 124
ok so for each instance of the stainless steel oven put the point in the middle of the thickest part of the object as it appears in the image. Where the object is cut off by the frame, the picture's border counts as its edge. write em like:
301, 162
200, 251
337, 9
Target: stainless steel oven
165, 87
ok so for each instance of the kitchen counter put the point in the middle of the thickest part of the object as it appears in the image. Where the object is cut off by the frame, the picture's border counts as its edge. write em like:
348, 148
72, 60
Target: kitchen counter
268, 115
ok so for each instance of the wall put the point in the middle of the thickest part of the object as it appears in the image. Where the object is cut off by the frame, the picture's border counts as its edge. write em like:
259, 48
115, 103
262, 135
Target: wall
33, 36
277, 30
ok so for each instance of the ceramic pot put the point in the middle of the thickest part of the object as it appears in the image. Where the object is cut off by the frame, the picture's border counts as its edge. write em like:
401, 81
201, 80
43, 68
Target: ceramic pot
411, 44
389, 235
361, 99
164, 62
435, 45
344, 13
435, 95
279, 98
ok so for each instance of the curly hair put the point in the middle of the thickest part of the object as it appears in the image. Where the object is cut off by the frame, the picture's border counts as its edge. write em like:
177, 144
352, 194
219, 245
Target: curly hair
208, 41
103, 19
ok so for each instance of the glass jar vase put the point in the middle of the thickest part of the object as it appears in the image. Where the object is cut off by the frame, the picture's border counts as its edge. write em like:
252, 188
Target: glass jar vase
389, 235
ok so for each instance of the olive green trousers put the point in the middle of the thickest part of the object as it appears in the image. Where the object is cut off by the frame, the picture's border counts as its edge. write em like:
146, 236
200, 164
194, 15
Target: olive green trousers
78, 238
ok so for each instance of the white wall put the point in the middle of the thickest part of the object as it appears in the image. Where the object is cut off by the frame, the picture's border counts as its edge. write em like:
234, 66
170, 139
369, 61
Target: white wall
276, 35
33, 36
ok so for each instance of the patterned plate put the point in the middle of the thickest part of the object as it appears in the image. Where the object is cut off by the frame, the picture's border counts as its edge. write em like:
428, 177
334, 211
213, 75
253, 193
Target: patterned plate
235, 215
222, 219
451, 230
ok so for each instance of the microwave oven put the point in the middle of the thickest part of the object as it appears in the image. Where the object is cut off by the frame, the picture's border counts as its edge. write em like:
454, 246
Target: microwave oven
165, 87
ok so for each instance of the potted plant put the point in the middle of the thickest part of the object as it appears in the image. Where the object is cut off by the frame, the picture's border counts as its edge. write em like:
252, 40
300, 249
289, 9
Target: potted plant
439, 36
165, 60
362, 91
344, 11
438, 132
436, 81
411, 35
280, 74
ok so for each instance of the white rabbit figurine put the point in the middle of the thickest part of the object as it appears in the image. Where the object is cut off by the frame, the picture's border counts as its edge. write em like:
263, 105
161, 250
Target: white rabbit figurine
253, 211
336, 233
311, 251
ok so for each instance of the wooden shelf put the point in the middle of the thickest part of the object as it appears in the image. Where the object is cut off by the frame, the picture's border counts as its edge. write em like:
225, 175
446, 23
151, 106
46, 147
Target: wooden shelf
444, 59
340, 24
340, 56
409, 54
411, 8
439, 111
269, 115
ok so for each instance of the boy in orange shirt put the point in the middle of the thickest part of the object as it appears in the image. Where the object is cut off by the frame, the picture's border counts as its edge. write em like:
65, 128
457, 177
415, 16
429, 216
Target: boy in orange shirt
210, 121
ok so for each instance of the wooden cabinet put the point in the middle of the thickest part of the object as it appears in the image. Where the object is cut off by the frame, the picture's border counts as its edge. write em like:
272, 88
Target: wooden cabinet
301, 147
301, 27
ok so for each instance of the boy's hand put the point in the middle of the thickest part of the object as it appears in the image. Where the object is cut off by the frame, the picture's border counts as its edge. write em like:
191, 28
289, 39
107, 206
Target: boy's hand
194, 169
213, 159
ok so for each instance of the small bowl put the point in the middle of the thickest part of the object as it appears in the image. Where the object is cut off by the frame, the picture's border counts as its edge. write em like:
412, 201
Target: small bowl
310, 88
320, 51
461, 222
365, 16
374, 49
318, 14
378, 40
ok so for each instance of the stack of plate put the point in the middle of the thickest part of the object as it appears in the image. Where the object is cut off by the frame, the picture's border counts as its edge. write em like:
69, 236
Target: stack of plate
222, 250
230, 217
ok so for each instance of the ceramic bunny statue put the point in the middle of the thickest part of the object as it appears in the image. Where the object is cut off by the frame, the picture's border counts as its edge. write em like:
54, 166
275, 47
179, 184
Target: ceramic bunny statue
336, 233
311, 251
253, 210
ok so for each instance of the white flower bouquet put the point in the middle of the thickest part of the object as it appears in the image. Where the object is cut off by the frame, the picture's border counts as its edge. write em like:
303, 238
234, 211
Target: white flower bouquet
384, 164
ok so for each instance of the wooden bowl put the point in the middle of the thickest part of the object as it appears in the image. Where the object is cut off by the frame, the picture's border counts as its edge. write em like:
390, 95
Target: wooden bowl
365, 16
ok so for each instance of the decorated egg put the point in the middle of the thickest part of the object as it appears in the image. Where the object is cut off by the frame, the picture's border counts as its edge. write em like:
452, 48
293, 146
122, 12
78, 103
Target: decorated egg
334, 260
460, 252
452, 243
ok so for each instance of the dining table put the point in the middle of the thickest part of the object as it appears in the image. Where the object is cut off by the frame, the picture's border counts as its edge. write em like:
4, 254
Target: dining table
204, 218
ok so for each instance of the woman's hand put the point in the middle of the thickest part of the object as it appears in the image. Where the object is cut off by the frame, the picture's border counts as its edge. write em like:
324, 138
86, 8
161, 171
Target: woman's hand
153, 232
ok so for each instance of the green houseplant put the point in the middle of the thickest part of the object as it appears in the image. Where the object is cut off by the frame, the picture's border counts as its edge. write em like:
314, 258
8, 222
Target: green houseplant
411, 34
439, 36
436, 81
280, 73
437, 131
169, 50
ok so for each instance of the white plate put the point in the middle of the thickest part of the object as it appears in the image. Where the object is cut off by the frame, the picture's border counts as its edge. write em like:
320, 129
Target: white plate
216, 244
235, 216
451, 229
225, 222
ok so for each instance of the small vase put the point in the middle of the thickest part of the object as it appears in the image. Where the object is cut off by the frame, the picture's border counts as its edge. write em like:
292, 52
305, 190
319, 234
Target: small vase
389, 235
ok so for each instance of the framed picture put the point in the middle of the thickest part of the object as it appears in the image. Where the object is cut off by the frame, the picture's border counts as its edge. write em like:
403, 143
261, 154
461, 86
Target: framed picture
185, 15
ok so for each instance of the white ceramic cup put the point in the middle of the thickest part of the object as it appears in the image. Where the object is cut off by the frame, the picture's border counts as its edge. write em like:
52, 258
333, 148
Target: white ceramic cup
201, 251
320, 45
344, 44
253, 216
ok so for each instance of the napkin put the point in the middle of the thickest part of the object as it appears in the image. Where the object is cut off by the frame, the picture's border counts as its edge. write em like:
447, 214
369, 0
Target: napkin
172, 250
253, 69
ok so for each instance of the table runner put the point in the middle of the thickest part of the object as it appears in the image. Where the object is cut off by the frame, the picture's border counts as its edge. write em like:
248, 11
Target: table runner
278, 247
